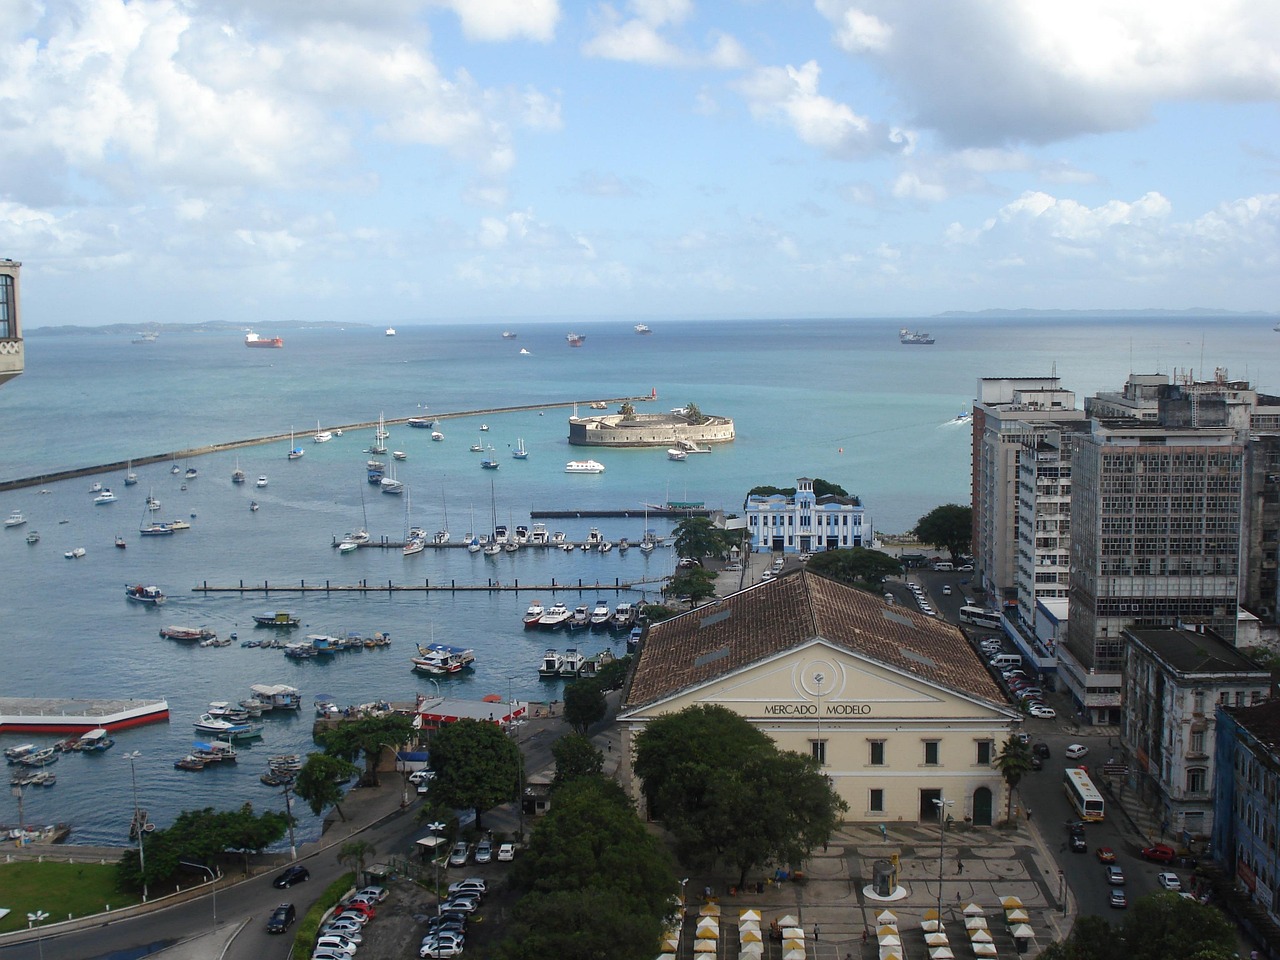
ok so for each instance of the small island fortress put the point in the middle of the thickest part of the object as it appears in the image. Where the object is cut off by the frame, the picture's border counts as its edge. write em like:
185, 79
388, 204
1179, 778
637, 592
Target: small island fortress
685, 427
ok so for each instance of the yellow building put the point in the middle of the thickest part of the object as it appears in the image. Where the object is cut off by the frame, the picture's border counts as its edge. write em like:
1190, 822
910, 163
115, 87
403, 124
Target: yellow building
897, 706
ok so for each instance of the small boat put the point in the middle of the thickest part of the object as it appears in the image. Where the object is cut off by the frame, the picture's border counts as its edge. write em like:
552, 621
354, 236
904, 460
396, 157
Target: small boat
33, 537
525, 353
39, 758
155, 530
211, 724
95, 741
381, 433
15, 753
295, 451
533, 614
130, 478
217, 751
95, 487
390, 484
253, 506
437, 435
624, 616
189, 763
581, 618
484, 428
584, 466
140, 594
477, 448
599, 405
605, 546
571, 663
488, 463
593, 539
391, 331
421, 423
237, 475
508, 334
191, 473
106, 496
574, 339
281, 620
15, 519
557, 537
642, 329
153, 503
520, 453
555, 617
120, 544
187, 633
276, 779
676, 454
551, 662
321, 436
913, 337
261, 481
348, 546
439, 658
591, 666
399, 455
74, 554
492, 549
600, 615
175, 469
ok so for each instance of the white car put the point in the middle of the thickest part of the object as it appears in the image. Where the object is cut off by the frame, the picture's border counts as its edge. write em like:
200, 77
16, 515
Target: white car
470, 885
334, 941
1076, 751
1169, 881
421, 776
350, 932
506, 852
1042, 712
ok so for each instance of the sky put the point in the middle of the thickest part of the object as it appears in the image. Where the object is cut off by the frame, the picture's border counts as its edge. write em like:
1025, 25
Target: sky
420, 161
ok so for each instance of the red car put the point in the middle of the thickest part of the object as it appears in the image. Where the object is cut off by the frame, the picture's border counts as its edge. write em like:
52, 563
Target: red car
1159, 853
1106, 855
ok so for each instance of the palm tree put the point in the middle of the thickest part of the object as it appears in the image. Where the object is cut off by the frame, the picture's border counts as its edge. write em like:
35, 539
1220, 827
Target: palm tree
355, 853
1012, 762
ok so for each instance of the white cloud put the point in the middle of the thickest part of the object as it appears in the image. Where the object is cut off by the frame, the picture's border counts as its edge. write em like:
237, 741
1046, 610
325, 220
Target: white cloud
506, 19
790, 95
1026, 70
640, 38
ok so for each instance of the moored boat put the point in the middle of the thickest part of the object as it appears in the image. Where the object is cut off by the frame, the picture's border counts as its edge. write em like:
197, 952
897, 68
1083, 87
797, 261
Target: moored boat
580, 620
75, 553
15, 519
281, 620
571, 663
106, 496
533, 614
33, 536
555, 617
624, 616
277, 696
551, 661
584, 466
442, 658
600, 615
189, 762
95, 741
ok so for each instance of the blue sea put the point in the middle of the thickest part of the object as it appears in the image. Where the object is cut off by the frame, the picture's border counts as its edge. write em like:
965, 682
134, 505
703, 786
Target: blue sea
840, 400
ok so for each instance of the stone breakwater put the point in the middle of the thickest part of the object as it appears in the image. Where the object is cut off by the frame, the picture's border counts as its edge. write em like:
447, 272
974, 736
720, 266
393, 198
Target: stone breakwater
647, 430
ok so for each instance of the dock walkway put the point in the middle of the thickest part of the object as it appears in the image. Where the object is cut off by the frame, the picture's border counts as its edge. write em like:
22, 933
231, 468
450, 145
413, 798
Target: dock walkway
267, 587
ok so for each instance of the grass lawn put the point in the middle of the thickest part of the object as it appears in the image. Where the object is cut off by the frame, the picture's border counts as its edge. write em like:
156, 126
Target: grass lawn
57, 889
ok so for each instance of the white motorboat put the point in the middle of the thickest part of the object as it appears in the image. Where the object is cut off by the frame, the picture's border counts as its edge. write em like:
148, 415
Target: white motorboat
571, 663
437, 435
262, 481
391, 331
675, 453
321, 436
556, 616
533, 614
600, 614
74, 554
106, 496
551, 661
348, 546
144, 594
584, 466
15, 519
208, 723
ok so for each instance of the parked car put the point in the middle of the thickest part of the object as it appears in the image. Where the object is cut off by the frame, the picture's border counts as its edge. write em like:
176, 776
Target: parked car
1118, 900
1159, 853
1106, 855
372, 894
946, 589
347, 932
1169, 881
1079, 844
1076, 751
345, 914
460, 854
439, 950
1040, 749
1041, 712
506, 852
472, 885
295, 874
421, 776
461, 903
327, 953
358, 906
336, 941
281, 918
484, 851
1115, 876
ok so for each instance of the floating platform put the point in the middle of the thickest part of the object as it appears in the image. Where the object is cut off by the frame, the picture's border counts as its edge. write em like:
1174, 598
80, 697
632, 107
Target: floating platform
57, 715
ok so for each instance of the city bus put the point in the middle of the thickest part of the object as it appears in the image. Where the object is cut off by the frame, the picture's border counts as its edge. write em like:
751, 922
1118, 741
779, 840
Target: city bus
980, 617
1084, 796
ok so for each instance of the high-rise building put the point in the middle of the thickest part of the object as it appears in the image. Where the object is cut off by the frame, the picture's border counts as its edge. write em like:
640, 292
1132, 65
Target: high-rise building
11, 350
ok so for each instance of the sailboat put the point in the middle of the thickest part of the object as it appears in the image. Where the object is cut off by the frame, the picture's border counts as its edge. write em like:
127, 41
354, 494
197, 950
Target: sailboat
295, 451
520, 453
490, 462
493, 547
473, 542
442, 536
237, 475
415, 540
362, 535
649, 540
150, 529
381, 433
379, 436
322, 436
130, 478
391, 484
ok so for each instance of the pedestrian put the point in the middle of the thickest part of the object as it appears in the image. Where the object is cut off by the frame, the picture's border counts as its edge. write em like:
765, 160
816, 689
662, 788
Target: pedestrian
1253, 955
816, 932
959, 867
865, 931
1028, 814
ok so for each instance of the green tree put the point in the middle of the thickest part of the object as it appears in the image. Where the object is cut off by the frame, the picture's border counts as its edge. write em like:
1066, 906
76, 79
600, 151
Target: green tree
576, 757
592, 881
367, 738
613, 675
698, 537
692, 582
201, 836
1165, 925
948, 527
476, 765
727, 794
321, 780
628, 410
247, 833
821, 488
584, 704
856, 565
354, 853
1013, 762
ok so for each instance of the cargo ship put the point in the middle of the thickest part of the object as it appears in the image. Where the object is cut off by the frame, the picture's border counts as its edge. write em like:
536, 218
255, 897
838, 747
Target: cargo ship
253, 340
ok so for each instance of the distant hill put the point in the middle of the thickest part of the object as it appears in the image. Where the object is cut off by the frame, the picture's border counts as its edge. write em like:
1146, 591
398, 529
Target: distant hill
212, 326
1148, 312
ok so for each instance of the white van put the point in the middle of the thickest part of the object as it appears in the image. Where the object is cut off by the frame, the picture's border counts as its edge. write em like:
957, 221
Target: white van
944, 565
1006, 661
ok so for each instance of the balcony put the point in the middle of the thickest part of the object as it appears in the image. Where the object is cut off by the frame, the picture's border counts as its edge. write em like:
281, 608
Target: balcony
11, 359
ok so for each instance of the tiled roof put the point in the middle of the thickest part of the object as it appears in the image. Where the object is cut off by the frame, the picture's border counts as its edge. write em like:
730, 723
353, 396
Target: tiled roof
746, 627
1262, 721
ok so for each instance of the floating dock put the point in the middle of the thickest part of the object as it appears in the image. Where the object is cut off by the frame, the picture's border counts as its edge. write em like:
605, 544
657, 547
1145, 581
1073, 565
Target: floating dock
56, 715
267, 587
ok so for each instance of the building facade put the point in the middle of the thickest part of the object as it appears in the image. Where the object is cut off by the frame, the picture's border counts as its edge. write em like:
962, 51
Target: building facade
896, 706
12, 356
1173, 681
805, 523
1246, 787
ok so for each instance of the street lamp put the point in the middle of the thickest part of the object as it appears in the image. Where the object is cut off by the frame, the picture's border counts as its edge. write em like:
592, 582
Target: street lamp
435, 829
819, 750
38, 918
942, 805
288, 809
139, 822
213, 885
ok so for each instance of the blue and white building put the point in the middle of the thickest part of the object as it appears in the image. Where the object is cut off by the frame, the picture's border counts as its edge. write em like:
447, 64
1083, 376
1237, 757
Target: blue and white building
805, 523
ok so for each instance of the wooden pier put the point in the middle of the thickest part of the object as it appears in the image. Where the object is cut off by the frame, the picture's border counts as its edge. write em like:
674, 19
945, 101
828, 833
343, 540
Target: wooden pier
267, 587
